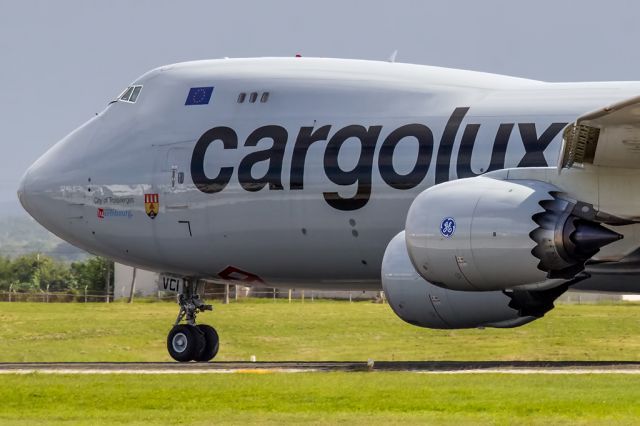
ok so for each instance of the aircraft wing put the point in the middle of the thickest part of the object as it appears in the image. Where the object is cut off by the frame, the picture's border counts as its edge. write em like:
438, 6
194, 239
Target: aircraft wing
607, 137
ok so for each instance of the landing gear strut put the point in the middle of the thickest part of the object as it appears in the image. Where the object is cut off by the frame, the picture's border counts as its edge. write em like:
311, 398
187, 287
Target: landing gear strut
191, 342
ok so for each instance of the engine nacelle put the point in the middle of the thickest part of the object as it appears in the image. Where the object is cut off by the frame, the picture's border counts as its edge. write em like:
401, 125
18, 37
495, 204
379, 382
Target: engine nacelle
421, 303
482, 234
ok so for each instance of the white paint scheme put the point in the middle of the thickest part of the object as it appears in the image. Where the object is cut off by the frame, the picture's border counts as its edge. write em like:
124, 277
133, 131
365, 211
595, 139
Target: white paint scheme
129, 149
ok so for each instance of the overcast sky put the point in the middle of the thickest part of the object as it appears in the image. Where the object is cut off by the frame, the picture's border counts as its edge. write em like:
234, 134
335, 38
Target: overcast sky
62, 61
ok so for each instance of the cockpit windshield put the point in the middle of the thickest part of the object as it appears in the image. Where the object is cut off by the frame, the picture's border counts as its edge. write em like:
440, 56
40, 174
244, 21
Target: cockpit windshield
129, 95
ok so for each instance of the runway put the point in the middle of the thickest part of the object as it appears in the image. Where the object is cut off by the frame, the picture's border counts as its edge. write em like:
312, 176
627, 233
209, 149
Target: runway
424, 367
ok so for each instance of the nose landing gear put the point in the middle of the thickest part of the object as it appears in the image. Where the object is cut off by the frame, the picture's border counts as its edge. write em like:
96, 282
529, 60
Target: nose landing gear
191, 342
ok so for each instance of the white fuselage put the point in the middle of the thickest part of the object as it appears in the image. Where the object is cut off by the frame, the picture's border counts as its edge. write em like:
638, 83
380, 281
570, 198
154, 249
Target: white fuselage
305, 189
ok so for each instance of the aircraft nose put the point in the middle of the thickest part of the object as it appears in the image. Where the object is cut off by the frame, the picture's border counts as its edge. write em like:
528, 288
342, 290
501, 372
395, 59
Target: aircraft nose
22, 191
33, 195
52, 190
52, 197
36, 196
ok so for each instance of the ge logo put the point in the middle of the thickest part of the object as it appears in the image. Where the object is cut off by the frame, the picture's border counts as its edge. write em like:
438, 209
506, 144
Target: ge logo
447, 227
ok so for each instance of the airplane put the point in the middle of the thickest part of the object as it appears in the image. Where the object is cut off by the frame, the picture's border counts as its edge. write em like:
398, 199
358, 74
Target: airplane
472, 199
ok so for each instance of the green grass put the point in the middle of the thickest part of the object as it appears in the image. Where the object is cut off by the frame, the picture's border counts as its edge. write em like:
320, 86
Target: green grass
320, 398
322, 330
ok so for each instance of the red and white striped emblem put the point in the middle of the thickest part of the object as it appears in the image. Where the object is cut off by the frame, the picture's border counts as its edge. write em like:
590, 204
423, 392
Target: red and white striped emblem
152, 205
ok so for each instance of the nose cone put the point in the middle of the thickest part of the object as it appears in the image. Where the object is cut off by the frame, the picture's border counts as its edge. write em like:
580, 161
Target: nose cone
52, 190
39, 193
36, 196
22, 191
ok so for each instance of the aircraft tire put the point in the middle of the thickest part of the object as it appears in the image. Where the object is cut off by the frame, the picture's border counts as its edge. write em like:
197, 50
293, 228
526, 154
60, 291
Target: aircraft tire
211, 343
185, 343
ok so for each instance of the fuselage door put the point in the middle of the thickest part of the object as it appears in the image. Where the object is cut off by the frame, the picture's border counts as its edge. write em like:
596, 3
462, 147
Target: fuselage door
173, 175
176, 165
176, 224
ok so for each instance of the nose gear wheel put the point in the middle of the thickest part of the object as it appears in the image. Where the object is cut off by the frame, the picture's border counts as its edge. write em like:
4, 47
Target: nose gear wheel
190, 341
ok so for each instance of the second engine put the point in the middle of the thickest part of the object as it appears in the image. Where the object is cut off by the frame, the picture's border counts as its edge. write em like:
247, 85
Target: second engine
421, 303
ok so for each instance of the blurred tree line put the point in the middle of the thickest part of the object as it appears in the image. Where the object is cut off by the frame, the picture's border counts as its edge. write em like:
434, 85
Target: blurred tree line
33, 272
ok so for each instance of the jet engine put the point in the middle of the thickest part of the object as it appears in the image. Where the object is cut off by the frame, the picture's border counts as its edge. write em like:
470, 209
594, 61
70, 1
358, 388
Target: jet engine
421, 303
482, 234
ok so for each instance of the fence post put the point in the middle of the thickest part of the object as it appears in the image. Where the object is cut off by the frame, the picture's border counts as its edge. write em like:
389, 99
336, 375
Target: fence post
47, 294
226, 294
108, 281
10, 289
133, 285
350, 297
289, 295
302, 296
274, 294
235, 292
85, 293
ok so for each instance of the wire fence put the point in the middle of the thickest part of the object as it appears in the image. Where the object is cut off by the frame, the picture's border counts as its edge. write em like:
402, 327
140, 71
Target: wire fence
53, 297
229, 294
233, 293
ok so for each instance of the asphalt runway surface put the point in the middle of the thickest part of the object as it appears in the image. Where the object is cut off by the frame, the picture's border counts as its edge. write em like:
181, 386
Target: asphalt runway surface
426, 367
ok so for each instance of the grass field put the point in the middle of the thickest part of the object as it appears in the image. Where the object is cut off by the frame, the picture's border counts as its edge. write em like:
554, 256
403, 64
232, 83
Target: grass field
320, 398
322, 330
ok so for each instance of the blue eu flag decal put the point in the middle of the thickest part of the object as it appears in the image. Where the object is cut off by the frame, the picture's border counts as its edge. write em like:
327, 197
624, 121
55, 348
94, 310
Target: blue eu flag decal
199, 95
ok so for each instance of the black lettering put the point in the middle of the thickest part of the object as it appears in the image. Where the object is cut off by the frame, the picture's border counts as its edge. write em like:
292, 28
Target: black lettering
425, 149
463, 165
306, 137
360, 174
274, 155
200, 179
443, 160
170, 283
500, 146
534, 147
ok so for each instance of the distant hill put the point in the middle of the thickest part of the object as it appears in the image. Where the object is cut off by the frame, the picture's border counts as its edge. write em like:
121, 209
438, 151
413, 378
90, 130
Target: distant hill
22, 235
11, 207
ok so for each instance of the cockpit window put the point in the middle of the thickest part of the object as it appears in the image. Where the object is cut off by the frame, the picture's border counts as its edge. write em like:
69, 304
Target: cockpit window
136, 92
130, 94
126, 95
